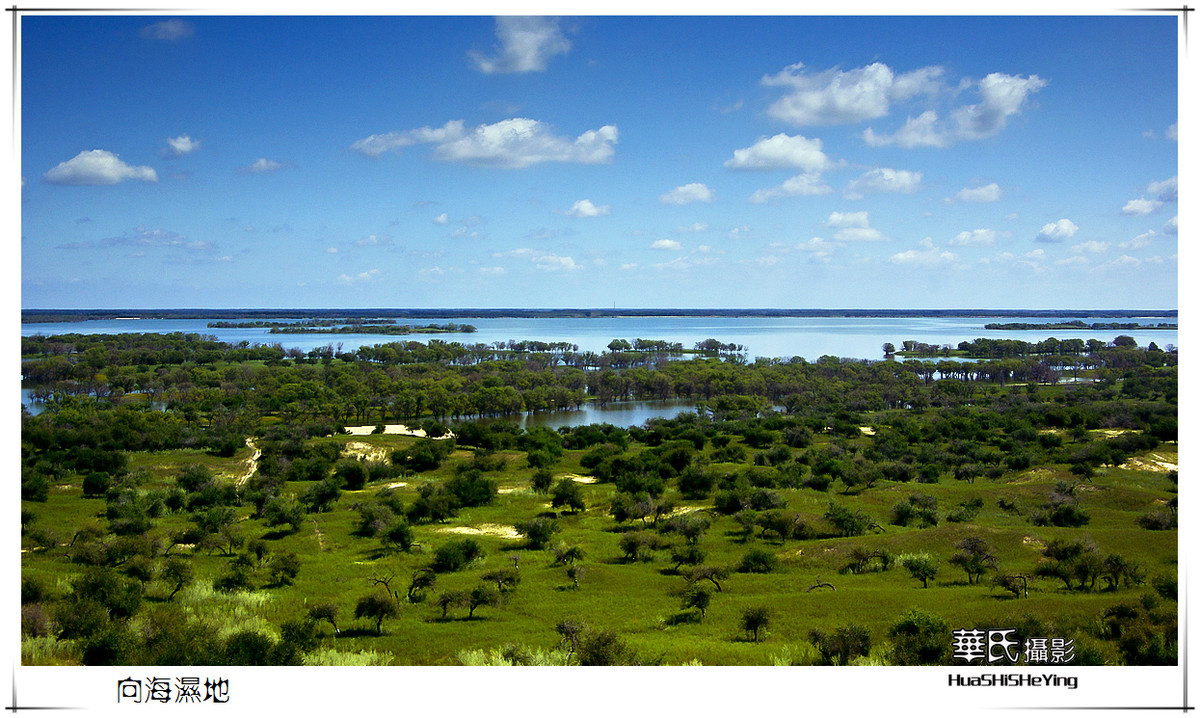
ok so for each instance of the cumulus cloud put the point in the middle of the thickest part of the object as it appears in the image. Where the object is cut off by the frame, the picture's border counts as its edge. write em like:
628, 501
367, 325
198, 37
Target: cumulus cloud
834, 96
585, 208
97, 167
1141, 206
667, 244
262, 165
884, 179
852, 227
781, 152
1001, 97
687, 194
974, 238
802, 185
1172, 226
180, 146
169, 30
1173, 132
513, 143
1057, 231
442, 218
986, 193
526, 44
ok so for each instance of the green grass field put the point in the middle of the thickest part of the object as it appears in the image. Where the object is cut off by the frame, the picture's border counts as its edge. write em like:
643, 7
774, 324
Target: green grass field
638, 600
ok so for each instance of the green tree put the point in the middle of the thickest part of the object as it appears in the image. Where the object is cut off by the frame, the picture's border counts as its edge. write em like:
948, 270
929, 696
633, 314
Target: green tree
755, 620
921, 566
377, 607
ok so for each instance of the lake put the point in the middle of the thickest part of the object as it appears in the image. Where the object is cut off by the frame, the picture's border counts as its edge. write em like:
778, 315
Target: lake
808, 337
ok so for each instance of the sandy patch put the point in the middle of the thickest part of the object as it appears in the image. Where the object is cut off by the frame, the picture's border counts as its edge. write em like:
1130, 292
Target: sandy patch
365, 451
1033, 543
1112, 432
580, 479
1153, 462
510, 489
396, 485
392, 429
867, 430
498, 530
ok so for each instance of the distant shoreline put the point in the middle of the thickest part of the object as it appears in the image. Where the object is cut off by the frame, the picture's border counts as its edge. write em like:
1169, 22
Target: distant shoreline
34, 316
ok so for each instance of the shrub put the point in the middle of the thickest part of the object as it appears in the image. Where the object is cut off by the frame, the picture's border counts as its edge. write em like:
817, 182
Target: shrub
456, 555
758, 561
919, 639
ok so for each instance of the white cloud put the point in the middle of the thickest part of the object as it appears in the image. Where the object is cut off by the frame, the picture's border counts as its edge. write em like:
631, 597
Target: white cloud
169, 30
442, 218
376, 145
263, 165
360, 277
847, 219
431, 272
331, 250
986, 193
781, 152
1001, 97
802, 185
97, 167
884, 179
1057, 231
852, 227
521, 142
841, 97
545, 261
1126, 261
974, 238
695, 227
585, 208
1172, 226
667, 244
1140, 207
1139, 242
924, 257
1091, 246
1165, 191
513, 143
687, 194
526, 44
1173, 132
180, 146
374, 240
738, 232
493, 271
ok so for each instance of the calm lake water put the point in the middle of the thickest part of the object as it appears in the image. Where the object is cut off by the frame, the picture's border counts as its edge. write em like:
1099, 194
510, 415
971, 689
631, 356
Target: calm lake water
808, 337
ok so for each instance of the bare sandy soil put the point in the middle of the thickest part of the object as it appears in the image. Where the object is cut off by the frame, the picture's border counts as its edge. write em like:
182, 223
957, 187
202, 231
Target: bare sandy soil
499, 530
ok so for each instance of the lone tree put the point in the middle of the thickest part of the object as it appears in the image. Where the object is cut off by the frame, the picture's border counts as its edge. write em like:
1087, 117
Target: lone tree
176, 573
567, 492
422, 580
506, 579
699, 597
482, 596
842, 645
537, 531
922, 566
755, 620
376, 606
975, 557
325, 612
451, 599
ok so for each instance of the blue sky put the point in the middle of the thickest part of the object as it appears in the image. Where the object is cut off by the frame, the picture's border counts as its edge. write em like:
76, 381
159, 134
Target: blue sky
890, 162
